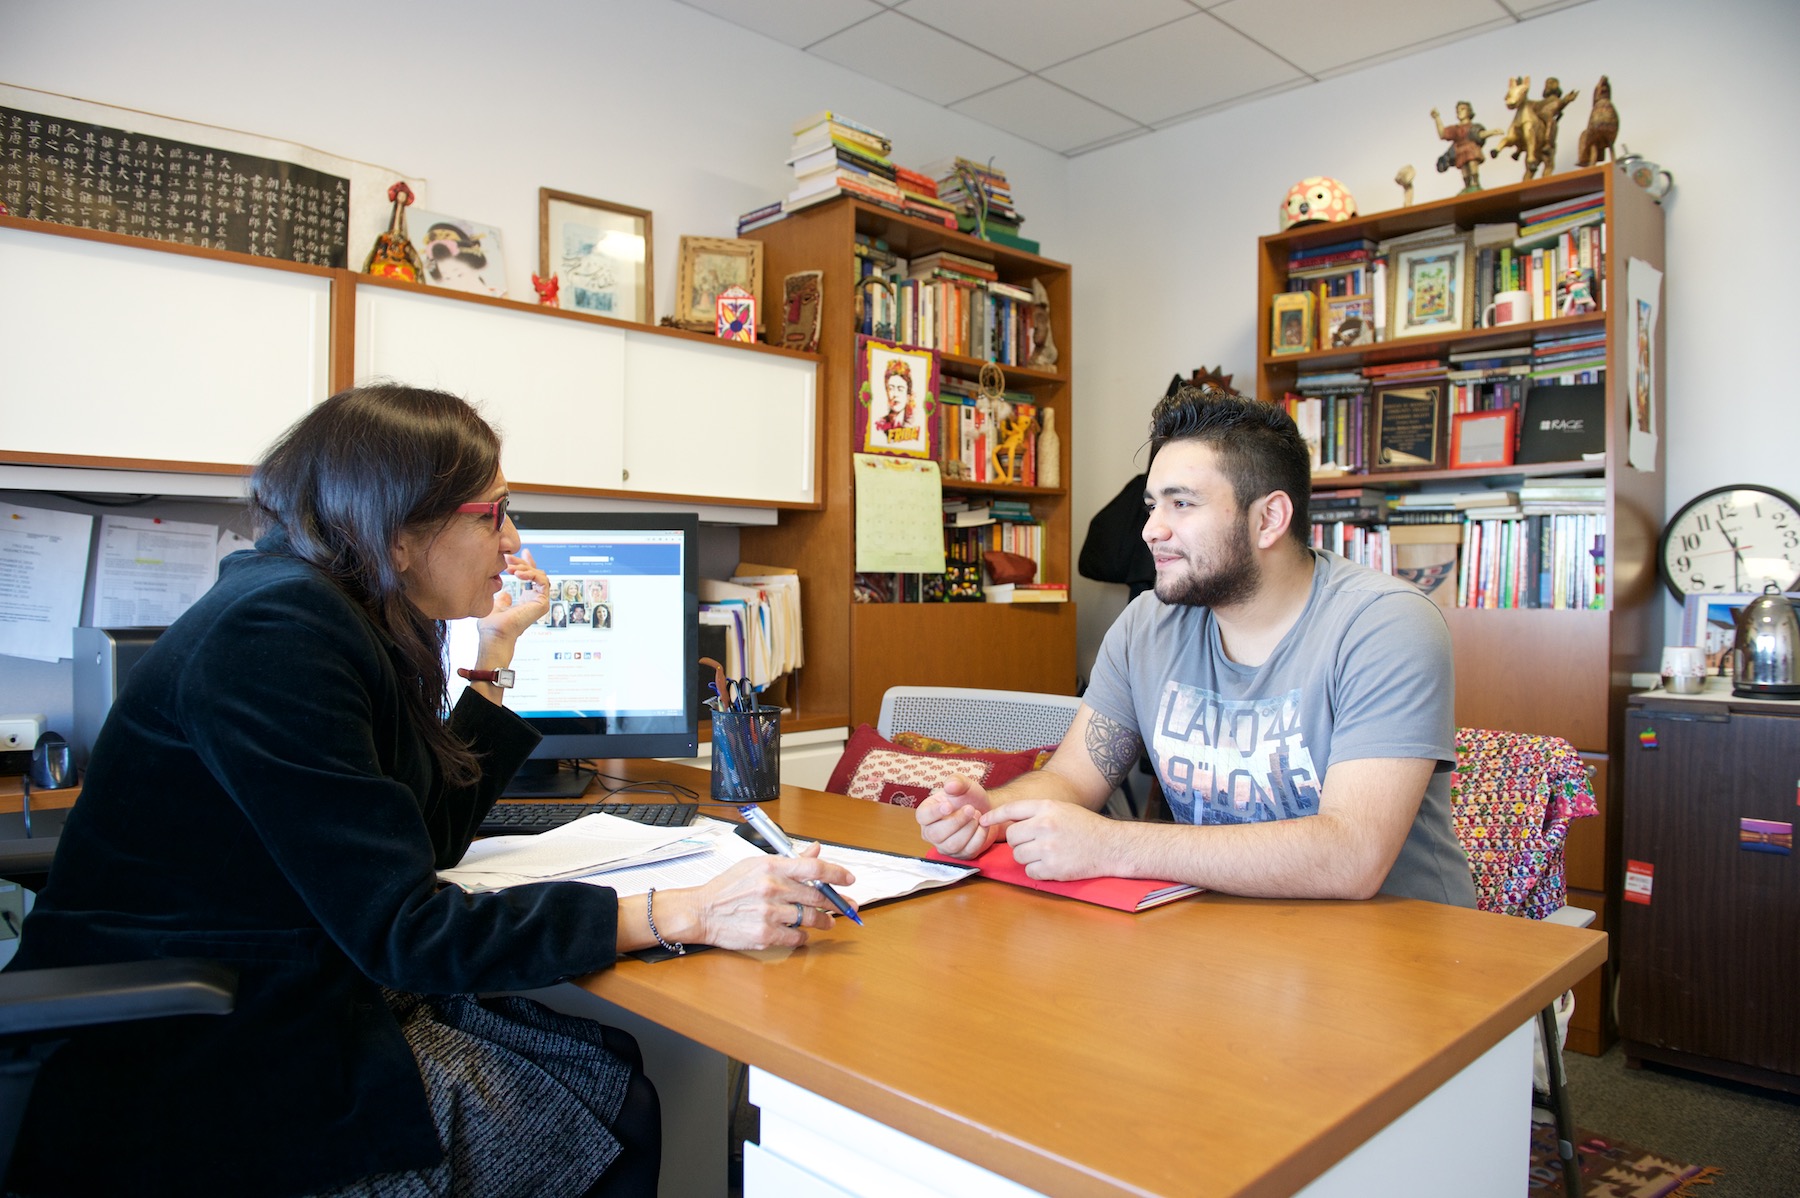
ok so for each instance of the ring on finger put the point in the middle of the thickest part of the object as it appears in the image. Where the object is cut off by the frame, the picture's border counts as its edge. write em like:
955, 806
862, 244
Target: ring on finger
799, 916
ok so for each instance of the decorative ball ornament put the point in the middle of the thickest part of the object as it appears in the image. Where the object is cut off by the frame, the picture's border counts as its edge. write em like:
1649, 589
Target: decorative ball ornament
1317, 199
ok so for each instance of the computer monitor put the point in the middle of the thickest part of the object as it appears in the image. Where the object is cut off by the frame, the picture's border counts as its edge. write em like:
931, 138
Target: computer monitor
609, 671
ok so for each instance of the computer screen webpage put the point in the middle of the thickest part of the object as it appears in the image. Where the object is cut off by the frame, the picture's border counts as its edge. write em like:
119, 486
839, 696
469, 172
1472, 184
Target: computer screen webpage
613, 642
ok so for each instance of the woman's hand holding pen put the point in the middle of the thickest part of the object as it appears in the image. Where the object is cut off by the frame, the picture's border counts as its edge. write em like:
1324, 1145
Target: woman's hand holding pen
761, 903
950, 819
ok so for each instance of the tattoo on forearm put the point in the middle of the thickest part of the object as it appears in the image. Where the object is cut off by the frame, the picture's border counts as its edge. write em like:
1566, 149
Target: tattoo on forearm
1113, 747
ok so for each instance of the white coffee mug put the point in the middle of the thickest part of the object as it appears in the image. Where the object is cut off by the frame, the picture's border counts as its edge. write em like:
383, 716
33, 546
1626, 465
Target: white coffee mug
1509, 307
1684, 669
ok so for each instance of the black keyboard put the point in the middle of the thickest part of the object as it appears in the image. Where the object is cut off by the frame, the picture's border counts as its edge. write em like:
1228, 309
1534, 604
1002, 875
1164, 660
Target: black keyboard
519, 819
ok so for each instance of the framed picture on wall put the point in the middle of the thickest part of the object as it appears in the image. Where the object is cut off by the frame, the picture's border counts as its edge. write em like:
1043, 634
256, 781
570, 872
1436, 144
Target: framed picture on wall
707, 266
1429, 288
600, 253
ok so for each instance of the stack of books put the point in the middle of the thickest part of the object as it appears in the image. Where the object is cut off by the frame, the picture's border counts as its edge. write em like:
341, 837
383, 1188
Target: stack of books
1570, 357
1485, 380
1339, 269
1383, 373
756, 218
1554, 247
1028, 592
958, 305
833, 155
982, 200
919, 196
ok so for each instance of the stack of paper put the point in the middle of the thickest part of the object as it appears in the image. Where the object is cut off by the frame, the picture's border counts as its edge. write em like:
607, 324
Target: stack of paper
582, 847
760, 608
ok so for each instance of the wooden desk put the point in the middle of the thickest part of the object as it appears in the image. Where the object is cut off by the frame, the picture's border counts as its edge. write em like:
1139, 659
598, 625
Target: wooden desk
1213, 1046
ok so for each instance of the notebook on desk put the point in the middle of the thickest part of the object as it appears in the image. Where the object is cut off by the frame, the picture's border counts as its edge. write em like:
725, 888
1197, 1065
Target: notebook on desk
1121, 894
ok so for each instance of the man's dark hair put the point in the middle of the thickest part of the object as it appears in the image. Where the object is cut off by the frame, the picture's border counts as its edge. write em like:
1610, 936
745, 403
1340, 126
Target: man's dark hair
1260, 448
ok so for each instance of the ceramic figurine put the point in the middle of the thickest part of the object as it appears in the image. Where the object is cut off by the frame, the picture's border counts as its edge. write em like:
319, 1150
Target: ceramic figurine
1596, 143
1578, 293
1405, 179
1049, 451
1551, 109
547, 289
1009, 455
1043, 353
1314, 199
393, 255
1532, 134
801, 302
1465, 138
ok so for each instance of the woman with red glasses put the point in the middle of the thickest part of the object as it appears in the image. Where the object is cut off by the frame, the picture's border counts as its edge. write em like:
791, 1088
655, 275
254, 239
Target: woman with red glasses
275, 789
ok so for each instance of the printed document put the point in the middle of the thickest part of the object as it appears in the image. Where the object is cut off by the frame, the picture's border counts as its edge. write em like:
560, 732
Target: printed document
149, 571
43, 567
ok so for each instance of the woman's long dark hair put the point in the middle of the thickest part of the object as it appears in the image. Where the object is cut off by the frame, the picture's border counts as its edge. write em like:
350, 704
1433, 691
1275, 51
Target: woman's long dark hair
342, 483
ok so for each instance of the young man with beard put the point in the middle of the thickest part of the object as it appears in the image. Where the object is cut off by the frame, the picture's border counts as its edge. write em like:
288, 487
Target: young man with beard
1298, 708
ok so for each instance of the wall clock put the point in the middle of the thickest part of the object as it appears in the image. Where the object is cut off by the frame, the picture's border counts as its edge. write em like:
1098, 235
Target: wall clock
1735, 539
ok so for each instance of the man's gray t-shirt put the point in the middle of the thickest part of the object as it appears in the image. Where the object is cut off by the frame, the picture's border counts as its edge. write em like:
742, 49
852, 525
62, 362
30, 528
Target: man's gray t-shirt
1366, 671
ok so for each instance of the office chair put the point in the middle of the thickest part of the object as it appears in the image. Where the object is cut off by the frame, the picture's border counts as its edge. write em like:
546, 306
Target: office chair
37, 1004
1512, 798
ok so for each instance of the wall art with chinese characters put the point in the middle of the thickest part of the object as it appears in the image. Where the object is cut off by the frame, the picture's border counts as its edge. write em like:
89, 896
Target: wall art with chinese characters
95, 176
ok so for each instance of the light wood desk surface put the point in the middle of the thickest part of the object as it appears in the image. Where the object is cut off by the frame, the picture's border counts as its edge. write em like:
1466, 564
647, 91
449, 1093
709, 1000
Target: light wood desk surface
1212, 1046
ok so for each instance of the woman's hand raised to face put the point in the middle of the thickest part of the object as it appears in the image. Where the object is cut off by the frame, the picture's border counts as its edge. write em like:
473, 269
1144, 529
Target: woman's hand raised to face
511, 617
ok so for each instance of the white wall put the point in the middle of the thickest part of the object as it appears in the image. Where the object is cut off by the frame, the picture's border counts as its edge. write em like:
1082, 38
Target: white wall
1165, 276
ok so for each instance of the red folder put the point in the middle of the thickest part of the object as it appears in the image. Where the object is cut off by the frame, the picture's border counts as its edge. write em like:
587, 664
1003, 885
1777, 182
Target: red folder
1121, 894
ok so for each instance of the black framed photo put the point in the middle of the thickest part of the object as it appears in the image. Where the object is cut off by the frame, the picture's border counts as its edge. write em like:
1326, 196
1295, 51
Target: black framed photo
1409, 422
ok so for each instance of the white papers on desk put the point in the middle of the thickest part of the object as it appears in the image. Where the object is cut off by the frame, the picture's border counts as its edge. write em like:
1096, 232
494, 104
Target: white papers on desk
694, 856
149, 571
579, 848
43, 566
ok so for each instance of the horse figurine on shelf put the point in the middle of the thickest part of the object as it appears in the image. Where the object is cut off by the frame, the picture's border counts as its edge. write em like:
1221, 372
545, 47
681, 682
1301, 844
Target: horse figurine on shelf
1532, 134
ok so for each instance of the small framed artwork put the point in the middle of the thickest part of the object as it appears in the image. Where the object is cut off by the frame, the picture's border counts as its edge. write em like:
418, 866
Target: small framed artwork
1483, 438
735, 315
1347, 320
1408, 421
600, 253
1429, 288
896, 399
459, 254
1291, 323
707, 266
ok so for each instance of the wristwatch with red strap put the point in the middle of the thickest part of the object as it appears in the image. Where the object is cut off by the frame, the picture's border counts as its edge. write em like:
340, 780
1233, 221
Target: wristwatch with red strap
500, 677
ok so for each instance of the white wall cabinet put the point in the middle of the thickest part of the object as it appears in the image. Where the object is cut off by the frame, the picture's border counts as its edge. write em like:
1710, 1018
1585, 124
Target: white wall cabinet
116, 354
109, 350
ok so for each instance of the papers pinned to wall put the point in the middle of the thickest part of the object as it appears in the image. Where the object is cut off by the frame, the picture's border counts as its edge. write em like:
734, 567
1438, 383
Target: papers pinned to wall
899, 515
149, 571
43, 567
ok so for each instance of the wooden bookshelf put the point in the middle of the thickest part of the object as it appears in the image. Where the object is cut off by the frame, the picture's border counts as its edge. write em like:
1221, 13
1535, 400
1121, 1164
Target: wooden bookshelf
1561, 673
854, 652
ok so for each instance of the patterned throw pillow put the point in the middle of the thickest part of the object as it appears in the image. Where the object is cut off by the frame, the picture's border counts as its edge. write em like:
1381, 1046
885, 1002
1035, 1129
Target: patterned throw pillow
882, 771
931, 744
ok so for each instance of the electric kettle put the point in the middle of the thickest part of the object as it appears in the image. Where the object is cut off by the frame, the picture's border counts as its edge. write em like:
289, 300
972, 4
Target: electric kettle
1766, 658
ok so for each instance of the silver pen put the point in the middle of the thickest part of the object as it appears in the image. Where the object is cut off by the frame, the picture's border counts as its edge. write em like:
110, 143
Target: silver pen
753, 815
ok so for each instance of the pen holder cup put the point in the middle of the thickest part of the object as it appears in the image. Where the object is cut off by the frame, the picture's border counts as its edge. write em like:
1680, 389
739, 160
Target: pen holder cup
746, 755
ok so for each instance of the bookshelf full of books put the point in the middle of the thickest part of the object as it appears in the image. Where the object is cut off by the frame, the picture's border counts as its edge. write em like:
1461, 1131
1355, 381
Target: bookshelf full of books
1483, 412
971, 300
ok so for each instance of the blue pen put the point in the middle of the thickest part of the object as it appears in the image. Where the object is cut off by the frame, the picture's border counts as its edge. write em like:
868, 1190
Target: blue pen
781, 844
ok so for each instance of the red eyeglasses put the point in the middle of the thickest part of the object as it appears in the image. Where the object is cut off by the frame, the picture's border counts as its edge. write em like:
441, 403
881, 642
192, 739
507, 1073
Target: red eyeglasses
495, 511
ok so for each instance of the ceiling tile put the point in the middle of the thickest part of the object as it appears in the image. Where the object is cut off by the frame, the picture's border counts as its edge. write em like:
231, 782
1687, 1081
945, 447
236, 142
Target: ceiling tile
916, 59
1044, 113
1038, 33
1320, 35
1537, 8
1178, 68
796, 22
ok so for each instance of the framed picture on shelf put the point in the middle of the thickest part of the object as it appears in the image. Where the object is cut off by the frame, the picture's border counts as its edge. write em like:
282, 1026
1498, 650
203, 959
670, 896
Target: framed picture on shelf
1429, 289
1291, 323
1408, 424
600, 253
459, 254
706, 267
896, 399
1483, 438
1347, 320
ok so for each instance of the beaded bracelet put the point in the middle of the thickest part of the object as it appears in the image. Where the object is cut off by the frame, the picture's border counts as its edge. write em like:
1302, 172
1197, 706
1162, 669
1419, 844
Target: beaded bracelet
679, 949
